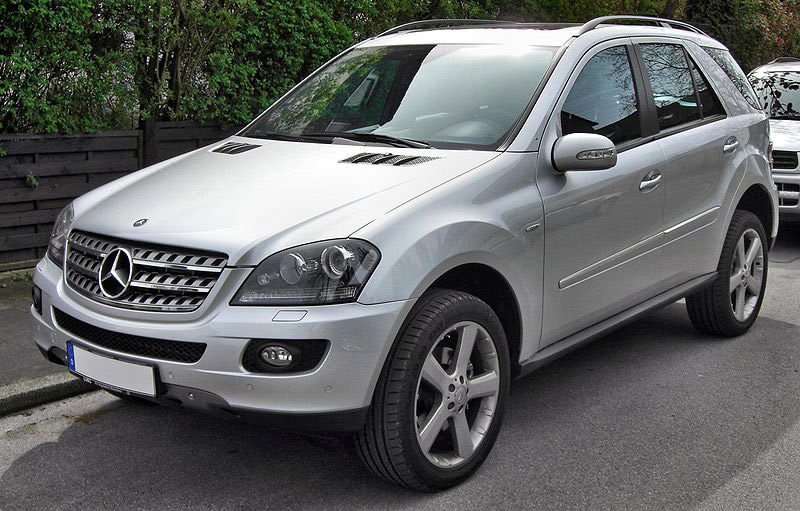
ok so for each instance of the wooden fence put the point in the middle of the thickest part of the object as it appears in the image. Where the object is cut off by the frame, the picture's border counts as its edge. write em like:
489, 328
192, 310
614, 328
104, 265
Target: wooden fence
40, 174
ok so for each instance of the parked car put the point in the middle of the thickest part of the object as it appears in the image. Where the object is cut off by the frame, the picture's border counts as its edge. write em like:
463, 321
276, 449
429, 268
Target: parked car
435, 212
777, 86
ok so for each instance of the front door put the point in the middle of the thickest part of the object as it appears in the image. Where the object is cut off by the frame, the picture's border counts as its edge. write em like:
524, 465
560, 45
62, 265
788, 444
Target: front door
602, 228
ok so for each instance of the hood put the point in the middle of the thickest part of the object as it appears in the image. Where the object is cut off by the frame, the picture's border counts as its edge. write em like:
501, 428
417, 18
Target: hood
274, 196
785, 134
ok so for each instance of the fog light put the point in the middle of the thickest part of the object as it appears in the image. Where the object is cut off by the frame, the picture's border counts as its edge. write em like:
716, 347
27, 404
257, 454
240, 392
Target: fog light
283, 356
276, 356
37, 299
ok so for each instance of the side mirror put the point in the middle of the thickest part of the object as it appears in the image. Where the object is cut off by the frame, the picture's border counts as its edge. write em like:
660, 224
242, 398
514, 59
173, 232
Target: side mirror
583, 151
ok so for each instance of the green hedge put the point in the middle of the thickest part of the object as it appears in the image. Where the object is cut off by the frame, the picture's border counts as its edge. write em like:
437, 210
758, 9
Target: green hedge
86, 65
756, 31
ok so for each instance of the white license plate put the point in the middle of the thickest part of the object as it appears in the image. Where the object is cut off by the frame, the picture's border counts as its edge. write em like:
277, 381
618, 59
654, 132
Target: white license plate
110, 372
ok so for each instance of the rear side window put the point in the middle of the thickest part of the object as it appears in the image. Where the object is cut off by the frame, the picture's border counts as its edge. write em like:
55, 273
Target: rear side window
671, 81
724, 60
709, 102
603, 99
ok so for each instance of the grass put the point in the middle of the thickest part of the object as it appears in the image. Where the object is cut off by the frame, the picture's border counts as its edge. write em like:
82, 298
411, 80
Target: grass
17, 275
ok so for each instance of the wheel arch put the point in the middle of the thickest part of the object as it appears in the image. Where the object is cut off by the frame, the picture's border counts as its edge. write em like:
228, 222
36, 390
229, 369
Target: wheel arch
756, 199
492, 287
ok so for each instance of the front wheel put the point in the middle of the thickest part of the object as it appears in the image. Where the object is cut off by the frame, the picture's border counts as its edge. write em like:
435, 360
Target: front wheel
439, 403
730, 305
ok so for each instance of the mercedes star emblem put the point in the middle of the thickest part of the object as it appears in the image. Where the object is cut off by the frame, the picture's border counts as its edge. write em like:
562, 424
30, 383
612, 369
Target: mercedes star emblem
115, 273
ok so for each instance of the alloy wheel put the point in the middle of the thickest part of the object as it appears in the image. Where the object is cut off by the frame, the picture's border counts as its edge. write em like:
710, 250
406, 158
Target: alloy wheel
457, 394
747, 273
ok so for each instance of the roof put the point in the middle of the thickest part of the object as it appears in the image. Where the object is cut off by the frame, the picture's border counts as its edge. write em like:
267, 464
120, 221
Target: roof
476, 35
775, 67
539, 34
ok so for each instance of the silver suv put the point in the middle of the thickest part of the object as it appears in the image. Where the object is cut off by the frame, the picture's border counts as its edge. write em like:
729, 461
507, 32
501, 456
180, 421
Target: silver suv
777, 87
433, 213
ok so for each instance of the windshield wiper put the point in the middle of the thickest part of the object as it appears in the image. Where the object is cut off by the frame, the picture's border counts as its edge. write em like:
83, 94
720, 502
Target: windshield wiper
372, 137
786, 117
328, 136
284, 136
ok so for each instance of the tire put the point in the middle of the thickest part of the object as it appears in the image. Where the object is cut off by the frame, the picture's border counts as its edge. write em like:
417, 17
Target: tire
729, 306
418, 403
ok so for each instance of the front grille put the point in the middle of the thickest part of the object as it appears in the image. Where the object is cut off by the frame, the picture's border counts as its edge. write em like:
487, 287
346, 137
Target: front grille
176, 351
164, 279
786, 160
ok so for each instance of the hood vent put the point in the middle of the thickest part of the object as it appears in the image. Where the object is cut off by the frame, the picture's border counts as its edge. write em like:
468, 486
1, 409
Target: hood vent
234, 148
397, 160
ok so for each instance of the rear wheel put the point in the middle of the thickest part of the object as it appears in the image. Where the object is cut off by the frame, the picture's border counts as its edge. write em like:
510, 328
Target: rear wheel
439, 403
730, 305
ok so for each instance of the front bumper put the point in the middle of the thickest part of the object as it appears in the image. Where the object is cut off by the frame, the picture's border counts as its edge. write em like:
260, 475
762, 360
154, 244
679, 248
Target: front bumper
341, 385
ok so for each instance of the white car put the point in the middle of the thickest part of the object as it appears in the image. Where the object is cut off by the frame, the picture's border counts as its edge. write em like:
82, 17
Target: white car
777, 86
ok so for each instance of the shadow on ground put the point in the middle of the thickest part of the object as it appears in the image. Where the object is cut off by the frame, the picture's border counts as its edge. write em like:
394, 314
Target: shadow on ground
654, 416
787, 245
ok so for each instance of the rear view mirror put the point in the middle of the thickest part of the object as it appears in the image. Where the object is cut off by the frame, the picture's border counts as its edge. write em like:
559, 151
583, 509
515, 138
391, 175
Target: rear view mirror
583, 151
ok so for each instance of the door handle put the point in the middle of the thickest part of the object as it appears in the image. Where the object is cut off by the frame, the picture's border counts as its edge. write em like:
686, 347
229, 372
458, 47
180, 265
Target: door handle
730, 145
650, 181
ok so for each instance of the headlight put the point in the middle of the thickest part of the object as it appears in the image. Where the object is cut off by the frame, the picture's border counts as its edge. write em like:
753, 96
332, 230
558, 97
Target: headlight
55, 249
317, 274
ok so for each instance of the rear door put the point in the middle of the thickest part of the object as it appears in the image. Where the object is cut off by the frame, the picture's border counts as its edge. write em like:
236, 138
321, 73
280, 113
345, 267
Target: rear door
699, 143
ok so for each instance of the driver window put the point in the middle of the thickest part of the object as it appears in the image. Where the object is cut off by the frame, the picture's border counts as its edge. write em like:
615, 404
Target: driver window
603, 99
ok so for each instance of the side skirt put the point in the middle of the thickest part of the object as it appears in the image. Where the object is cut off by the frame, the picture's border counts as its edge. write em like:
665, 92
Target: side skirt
566, 345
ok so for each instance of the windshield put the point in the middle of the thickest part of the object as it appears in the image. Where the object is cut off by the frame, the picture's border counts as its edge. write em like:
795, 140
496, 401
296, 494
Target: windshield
448, 96
779, 93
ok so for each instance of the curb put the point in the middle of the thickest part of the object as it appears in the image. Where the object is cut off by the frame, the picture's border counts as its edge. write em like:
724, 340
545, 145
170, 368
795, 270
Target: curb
29, 393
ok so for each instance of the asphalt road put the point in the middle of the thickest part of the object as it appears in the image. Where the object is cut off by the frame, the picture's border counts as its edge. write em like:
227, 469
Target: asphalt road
653, 416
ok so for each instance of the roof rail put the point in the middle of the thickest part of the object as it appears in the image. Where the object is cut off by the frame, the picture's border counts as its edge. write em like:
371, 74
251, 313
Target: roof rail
784, 59
445, 22
660, 22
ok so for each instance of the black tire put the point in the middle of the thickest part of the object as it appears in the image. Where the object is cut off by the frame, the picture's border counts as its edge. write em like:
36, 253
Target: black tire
711, 309
388, 443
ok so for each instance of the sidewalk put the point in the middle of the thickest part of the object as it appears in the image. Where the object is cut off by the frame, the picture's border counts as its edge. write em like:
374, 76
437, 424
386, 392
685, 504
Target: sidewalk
27, 379
21, 360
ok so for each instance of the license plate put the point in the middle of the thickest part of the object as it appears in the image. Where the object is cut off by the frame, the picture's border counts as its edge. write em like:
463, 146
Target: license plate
111, 373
